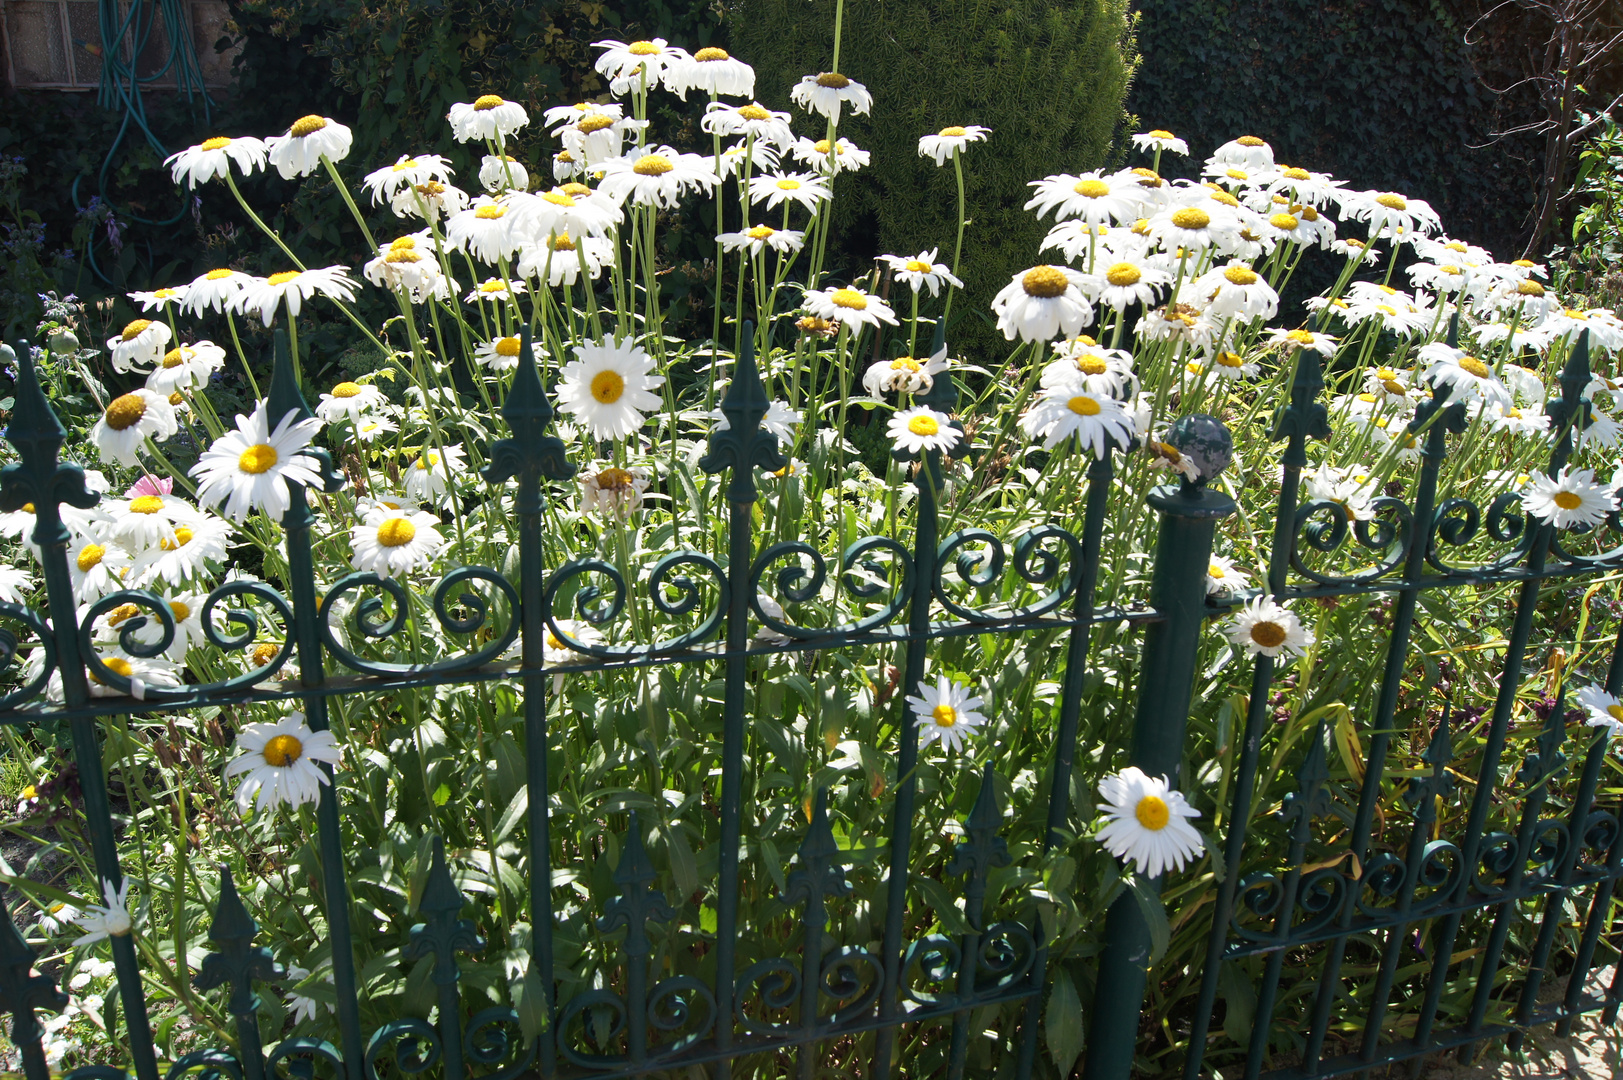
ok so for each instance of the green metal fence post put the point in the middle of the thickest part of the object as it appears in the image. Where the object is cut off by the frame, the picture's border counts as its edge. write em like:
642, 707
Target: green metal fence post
1189, 517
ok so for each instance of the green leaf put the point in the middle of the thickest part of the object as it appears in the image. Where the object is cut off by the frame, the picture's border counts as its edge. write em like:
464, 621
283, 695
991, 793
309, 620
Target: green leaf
1062, 1023
530, 1006
513, 814
1239, 1001
1155, 916
442, 795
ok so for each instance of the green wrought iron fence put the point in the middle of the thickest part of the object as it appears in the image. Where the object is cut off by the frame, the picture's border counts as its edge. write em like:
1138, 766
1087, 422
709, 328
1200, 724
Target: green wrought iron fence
1429, 895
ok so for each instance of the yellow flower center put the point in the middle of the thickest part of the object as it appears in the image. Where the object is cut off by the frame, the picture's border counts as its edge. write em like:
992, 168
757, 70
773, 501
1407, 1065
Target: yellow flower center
1160, 133
427, 461
1153, 813
180, 610
643, 48
822, 146
176, 357
1191, 217
564, 156
918, 266
925, 425
90, 557
486, 102
1083, 405
264, 653
396, 257
1567, 500
595, 123
219, 142
306, 125
849, 298
1240, 275
607, 386
562, 242
1300, 337
1392, 202
183, 536
283, 751
1523, 262
1221, 196
1269, 635
1215, 571
787, 184
1123, 273
614, 479
507, 346
146, 504
126, 411
490, 212
1091, 365
944, 715
1615, 712
1250, 140
493, 286
653, 165
953, 132
906, 363
122, 613
257, 459
759, 232
1092, 189
118, 666
558, 197
1045, 282
430, 189
1574, 313
575, 191
1291, 173
136, 329
1236, 174
1284, 222
395, 532
28, 508
709, 54
282, 278
1147, 177
833, 80
1529, 288
1230, 360
1474, 366
347, 390
403, 165
1356, 244
1392, 386
217, 275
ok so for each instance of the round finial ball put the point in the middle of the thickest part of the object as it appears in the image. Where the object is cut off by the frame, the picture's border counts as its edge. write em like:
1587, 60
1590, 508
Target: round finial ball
1205, 441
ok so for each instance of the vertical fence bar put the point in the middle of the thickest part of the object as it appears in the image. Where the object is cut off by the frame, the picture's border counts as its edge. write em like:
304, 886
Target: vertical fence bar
1183, 552
42, 479
1304, 418
285, 399
1100, 472
530, 455
442, 934
741, 448
21, 992
238, 963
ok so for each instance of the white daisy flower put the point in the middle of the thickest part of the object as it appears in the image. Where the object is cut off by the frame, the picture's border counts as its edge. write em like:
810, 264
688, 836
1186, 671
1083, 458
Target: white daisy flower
945, 713
186, 553
846, 155
1391, 214
596, 137
15, 585
348, 400
1513, 419
566, 166
749, 121
921, 428
1193, 228
393, 544
1247, 152
1224, 578
850, 306
949, 142
311, 138
1148, 823
299, 1006
215, 291
713, 71
626, 65
612, 491
1236, 291
430, 201
1127, 282
1043, 303
129, 420
922, 272
1291, 340
1265, 627
108, 919
1471, 379
488, 117
371, 428
141, 671
560, 258
250, 468
263, 296
1305, 187
158, 299
429, 476
1226, 364
1353, 492
214, 157
1354, 250
495, 289
609, 388
904, 375
1161, 140
499, 355
278, 763
1098, 421
404, 174
828, 93
1570, 500
97, 566
571, 209
503, 173
484, 230
658, 177
185, 367
780, 420
1081, 362
803, 188
1605, 710
757, 238
1091, 197
139, 345
408, 264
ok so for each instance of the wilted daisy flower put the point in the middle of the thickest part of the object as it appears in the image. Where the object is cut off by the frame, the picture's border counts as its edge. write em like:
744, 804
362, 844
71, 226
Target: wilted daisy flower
502, 174
15, 584
250, 468
1094, 198
1605, 710
613, 491
1097, 420
214, 157
488, 117
625, 65
598, 136
828, 93
1356, 251
711, 70
1354, 492
311, 138
186, 554
140, 344
1081, 362
1148, 822
922, 428
430, 200
158, 299
1471, 379
1516, 336
921, 272
950, 142
1570, 500
846, 155
1291, 340
185, 367
1262, 626
278, 763
752, 121
945, 713
1159, 140
263, 296
1235, 291
1248, 152
129, 420
1131, 281
849, 306
658, 177
392, 543
609, 388
430, 473
1043, 303
904, 374
485, 230
108, 919
214, 291
348, 401
1224, 578
757, 238
405, 173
